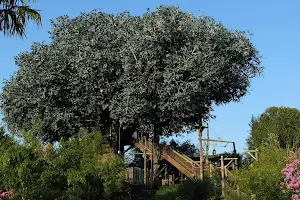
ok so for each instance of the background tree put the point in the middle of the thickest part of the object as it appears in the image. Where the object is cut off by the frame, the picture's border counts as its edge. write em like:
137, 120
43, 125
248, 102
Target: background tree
161, 73
284, 122
14, 16
186, 147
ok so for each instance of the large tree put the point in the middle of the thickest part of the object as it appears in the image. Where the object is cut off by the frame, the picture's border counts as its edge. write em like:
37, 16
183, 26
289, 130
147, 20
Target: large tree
284, 122
161, 73
15, 14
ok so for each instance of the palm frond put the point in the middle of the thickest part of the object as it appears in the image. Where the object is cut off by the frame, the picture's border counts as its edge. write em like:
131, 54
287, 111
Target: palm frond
14, 16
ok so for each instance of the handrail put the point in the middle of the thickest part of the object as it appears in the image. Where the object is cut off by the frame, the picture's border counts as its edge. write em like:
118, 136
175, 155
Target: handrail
182, 160
147, 144
188, 164
188, 159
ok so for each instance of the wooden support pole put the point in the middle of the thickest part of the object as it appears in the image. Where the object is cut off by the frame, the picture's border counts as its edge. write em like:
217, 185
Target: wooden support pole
145, 168
207, 151
236, 164
166, 172
151, 173
152, 165
223, 176
201, 151
181, 176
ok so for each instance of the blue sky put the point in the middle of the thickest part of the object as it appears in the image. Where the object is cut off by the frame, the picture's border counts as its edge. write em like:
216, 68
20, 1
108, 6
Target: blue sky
275, 28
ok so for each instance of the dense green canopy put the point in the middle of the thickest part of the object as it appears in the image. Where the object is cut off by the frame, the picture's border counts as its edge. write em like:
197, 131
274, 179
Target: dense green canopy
160, 72
283, 122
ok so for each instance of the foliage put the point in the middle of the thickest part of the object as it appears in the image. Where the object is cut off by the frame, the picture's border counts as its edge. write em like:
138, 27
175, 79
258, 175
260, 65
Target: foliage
14, 15
142, 193
160, 72
74, 169
291, 181
188, 190
262, 178
284, 122
136, 160
186, 147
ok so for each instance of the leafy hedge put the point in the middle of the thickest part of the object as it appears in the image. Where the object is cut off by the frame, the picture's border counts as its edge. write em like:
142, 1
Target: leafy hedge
188, 190
78, 168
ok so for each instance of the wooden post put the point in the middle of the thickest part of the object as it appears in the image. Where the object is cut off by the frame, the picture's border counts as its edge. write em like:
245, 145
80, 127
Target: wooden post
201, 152
166, 172
145, 168
256, 154
210, 170
152, 166
236, 164
207, 151
151, 172
223, 176
181, 176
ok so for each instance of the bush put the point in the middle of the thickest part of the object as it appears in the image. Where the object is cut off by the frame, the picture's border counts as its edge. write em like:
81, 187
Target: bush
188, 190
262, 179
76, 169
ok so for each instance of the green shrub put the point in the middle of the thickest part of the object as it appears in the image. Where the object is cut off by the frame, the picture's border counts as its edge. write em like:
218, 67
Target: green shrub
262, 179
76, 169
188, 190
167, 193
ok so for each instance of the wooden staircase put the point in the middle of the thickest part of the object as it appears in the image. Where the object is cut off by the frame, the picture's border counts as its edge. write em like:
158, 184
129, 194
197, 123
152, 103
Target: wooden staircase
144, 145
182, 162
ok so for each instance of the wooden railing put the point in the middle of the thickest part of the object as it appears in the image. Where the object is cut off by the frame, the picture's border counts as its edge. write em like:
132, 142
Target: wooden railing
179, 160
182, 162
144, 144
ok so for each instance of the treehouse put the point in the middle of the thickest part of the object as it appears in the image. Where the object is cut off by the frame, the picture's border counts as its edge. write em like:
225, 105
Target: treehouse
164, 165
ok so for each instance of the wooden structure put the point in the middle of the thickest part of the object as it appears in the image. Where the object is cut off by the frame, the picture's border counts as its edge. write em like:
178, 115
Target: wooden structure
134, 176
175, 166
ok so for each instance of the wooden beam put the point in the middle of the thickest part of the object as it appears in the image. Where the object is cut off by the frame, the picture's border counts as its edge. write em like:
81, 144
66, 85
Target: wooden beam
212, 140
139, 153
256, 155
162, 169
229, 163
230, 158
